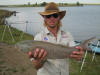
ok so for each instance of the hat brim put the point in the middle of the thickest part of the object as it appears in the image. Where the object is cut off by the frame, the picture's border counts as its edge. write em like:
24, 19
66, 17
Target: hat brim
61, 13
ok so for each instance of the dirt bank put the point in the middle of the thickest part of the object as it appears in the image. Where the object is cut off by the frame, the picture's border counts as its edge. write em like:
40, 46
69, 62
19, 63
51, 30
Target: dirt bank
14, 62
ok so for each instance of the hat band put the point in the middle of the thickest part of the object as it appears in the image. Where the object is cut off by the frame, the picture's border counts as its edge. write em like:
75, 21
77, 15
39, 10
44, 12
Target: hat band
52, 11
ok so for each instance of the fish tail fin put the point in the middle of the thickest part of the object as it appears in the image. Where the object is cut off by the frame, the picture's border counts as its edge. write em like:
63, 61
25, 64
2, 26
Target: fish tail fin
85, 44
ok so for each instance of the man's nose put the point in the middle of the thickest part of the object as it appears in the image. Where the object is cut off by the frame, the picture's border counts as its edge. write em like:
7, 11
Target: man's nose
52, 17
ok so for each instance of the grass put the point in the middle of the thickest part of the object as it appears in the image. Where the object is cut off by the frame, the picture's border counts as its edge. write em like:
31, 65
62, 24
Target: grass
23, 69
5, 14
89, 68
15, 33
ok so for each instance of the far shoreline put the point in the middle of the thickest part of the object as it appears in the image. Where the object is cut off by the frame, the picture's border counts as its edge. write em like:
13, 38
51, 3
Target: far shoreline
70, 5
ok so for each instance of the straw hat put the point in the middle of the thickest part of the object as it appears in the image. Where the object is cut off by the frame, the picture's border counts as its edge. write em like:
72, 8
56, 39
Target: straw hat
52, 8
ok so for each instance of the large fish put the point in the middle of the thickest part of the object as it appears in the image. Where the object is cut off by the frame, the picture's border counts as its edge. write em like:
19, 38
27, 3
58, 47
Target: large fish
54, 51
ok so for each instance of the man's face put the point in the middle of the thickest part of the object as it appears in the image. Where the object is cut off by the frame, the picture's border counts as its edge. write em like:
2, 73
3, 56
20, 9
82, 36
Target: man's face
52, 20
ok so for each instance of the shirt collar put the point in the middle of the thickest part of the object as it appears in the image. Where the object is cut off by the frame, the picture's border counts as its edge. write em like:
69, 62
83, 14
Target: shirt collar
48, 32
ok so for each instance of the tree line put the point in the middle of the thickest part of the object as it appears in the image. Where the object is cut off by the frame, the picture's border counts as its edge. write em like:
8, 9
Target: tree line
60, 4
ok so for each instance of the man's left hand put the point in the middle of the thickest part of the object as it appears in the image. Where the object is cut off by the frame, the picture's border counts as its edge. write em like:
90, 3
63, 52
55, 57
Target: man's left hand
77, 54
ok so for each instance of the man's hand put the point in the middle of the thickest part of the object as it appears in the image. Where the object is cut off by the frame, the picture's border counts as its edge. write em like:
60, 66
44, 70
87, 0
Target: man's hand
77, 54
39, 57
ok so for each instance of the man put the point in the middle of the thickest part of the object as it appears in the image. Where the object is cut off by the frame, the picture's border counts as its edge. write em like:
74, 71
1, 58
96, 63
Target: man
53, 33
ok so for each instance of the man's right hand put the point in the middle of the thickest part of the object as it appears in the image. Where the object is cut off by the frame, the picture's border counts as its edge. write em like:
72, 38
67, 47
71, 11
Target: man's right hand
39, 57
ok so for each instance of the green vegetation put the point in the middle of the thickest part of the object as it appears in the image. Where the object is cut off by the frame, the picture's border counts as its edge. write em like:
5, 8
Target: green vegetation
15, 33
23, 69
43, 4
12, 69
89, 68
92, 4
4, 14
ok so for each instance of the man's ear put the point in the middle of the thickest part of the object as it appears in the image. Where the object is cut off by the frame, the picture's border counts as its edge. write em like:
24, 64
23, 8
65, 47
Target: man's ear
43, 16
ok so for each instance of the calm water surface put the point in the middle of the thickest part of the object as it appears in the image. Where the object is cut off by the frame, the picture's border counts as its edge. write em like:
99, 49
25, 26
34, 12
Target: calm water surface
82, 22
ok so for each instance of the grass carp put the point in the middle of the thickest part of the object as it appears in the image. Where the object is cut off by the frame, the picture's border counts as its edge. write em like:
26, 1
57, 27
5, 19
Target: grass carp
54, 51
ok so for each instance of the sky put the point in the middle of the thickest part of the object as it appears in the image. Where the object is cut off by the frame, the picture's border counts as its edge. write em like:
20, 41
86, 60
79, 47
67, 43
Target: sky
12, 2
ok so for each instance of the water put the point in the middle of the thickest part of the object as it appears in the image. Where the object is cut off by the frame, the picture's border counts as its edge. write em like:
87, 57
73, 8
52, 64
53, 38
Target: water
82, 22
